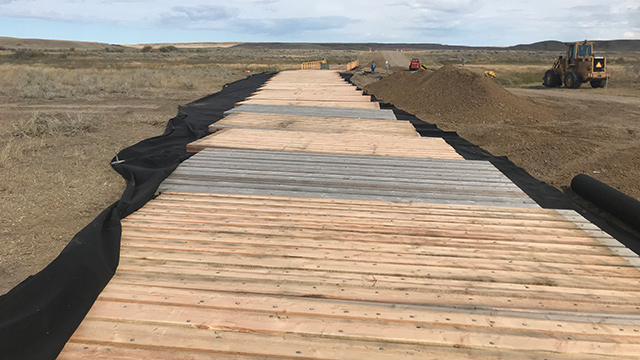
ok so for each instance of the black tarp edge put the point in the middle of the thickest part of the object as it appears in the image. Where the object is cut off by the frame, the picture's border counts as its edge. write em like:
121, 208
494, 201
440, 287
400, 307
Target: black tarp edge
615, 202
40, 314
542, 193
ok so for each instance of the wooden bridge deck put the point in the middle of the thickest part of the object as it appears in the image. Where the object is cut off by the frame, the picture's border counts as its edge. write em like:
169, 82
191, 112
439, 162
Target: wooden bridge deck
254, 253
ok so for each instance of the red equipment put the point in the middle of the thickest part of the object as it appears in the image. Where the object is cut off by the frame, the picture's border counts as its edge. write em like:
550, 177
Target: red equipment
415, 64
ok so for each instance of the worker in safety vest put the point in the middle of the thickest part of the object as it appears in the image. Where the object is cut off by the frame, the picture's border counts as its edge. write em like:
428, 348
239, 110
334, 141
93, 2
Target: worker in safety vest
373, 68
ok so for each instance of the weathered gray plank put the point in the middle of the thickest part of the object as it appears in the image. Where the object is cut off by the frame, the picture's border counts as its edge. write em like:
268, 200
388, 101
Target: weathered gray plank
370, 178
315, 111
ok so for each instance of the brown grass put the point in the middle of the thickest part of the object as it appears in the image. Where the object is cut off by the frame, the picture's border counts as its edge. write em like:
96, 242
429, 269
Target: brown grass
41, 125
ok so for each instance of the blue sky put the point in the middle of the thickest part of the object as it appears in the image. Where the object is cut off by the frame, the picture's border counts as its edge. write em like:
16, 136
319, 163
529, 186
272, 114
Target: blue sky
460, 22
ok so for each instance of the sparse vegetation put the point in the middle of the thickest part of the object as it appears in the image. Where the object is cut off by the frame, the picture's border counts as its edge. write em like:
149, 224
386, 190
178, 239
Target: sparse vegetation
24, 54
166, 49
42, 125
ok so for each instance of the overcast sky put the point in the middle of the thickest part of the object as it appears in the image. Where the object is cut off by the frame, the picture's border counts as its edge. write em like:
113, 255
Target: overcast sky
456, 22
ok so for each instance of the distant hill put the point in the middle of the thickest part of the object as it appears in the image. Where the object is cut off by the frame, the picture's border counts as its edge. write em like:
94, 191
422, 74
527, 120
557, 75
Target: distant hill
550, 45
191, 45
600, 45
41, 44
351, 46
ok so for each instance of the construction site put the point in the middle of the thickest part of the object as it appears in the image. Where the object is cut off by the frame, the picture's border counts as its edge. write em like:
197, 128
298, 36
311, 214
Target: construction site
350, 210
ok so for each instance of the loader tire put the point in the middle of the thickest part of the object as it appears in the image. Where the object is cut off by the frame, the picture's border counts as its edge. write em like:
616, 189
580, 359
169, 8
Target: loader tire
572, 80
550, 79
598, 83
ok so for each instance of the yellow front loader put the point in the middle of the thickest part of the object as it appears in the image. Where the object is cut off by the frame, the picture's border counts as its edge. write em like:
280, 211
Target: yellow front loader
578, 66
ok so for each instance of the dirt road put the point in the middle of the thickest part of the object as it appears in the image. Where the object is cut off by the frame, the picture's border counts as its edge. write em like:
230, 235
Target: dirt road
396, 58
588, 94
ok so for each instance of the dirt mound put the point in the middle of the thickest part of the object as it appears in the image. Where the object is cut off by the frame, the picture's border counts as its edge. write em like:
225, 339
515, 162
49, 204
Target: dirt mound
453, 95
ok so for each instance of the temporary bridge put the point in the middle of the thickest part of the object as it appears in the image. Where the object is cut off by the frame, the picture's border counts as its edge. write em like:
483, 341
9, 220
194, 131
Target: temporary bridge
312, 224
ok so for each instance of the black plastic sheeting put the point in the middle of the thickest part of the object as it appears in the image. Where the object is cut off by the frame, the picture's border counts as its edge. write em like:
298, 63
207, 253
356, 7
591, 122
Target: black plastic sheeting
621, 205
39, 315
542, 193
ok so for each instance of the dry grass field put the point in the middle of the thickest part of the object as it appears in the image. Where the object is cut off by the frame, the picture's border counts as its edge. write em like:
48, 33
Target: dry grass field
64, 113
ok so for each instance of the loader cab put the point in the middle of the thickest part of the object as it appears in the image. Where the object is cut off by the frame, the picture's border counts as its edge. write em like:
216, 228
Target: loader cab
584, 50
579, 51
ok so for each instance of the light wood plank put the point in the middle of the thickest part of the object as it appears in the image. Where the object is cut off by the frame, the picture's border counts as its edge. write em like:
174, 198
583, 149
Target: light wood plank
379, 288
559, 256
288, 346
462, 262
326, 143
319, 103
595, 281
429, 334
315, 124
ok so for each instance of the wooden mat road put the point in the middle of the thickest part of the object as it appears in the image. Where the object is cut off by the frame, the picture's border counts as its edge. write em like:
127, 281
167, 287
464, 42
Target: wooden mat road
257, 249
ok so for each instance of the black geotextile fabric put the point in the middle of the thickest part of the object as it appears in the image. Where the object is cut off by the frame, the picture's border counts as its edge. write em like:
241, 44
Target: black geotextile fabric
542, 193
38, 316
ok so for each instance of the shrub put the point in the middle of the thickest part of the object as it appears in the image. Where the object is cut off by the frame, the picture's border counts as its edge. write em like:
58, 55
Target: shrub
166, 49
147, 49
114, 49
26, 54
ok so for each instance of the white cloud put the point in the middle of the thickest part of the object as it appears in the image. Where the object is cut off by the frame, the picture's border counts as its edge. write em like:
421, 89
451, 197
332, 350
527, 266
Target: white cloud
635, 34
472, 22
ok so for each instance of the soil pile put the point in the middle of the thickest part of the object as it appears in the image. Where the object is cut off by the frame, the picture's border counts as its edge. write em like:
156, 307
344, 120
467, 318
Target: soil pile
453, 95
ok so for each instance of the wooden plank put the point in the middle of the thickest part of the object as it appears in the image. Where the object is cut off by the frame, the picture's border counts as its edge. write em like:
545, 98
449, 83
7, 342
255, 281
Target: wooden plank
345, 188
461, 262
434, 238
414, 163
382, 289
315, 124
369, 144
352, 217
112, 351
316, 103
284, 346
444, 228
234, 187
380, 208
315, 111
355, 329
450, 216
595, 281
314, 95
327, 308
443, 292
555, 254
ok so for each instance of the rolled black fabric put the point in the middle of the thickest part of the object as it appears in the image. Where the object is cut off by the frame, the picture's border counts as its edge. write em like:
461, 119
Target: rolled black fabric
39, 315
618, 204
